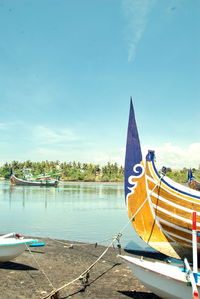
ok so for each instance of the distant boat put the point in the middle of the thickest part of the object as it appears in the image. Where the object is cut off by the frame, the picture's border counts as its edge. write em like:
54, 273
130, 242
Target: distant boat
192, 182
159, 208
12, 245
29, 182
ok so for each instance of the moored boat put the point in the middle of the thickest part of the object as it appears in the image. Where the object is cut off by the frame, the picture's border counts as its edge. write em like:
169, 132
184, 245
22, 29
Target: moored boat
28, 182
164, 280
12, 245
159, 208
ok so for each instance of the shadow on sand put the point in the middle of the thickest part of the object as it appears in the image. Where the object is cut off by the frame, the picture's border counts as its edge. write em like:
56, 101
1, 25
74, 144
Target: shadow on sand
15, 266
139, 295
87, 284
148, 254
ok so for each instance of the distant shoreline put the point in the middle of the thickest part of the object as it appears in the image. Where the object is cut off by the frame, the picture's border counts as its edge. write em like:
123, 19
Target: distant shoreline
64, 182
91, 182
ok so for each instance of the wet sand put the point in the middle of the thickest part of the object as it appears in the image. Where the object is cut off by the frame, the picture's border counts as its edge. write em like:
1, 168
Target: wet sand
109, 278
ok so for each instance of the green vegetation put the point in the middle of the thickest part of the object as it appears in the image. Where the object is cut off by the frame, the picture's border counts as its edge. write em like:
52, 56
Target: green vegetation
71, 171
180, 176
76, 171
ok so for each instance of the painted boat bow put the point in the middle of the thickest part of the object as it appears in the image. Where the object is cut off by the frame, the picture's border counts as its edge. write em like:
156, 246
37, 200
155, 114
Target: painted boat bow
160, 209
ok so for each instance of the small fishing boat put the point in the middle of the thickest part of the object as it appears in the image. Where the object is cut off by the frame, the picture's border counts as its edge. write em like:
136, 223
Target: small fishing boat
192, 182
28, 182
164, 280
12, 245
159, 209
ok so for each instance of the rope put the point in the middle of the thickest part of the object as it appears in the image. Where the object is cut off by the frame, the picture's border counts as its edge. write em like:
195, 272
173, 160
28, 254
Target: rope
85, 275
81, 244
39, 266
82, 275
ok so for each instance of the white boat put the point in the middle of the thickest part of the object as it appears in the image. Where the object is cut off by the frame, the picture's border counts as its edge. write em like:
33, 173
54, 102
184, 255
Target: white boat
12, 245
165, 280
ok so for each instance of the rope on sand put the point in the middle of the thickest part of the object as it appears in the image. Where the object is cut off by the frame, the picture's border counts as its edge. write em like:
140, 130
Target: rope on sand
85, 275
81, 244
39, 266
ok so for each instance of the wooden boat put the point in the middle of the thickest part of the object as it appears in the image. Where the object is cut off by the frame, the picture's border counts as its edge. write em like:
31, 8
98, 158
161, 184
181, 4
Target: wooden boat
164, 280
192, 182
29, 182
159, 208
12, 245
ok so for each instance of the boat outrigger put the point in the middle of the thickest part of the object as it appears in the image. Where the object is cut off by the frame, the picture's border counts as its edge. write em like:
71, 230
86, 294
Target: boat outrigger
159, 208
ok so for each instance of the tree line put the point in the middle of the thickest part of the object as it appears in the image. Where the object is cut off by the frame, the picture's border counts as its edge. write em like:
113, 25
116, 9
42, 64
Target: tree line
76, 171
181, 176
71, 171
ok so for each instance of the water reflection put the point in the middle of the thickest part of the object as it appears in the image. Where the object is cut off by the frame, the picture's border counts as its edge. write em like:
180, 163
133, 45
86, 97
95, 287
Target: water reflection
82, 212
94, 196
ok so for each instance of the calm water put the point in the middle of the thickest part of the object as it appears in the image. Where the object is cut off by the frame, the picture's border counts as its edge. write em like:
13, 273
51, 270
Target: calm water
81, 212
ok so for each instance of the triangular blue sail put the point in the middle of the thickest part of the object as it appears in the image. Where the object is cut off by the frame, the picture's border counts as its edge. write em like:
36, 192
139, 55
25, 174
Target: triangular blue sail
190, 175
133, 149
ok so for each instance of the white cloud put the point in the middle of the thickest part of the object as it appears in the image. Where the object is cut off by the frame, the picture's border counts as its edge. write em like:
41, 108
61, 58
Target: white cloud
44, 135
176, 157
4, 126
116, 156
137, 12
83, 155
65, 144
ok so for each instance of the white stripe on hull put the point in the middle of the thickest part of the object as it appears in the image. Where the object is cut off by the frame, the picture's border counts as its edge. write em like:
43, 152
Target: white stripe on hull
177, 236
176, 193
174, 225
172, 204
173, 215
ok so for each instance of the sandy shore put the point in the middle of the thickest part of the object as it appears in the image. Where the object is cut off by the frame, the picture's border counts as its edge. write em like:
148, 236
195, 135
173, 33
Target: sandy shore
110, 278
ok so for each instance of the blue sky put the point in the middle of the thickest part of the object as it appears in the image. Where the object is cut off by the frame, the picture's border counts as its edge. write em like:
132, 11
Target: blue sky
69, 67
